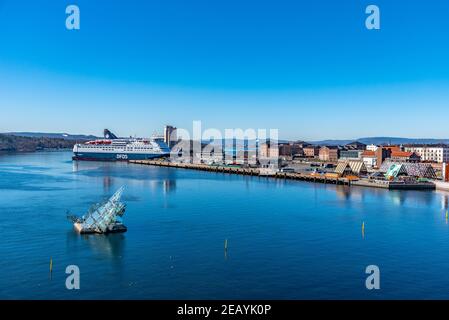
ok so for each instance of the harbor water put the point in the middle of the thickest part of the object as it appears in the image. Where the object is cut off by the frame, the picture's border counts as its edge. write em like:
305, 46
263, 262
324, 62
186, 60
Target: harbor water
285, 239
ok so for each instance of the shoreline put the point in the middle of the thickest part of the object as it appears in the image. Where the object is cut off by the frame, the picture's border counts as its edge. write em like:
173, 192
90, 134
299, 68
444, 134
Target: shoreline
3, 152
292, 176
259, 172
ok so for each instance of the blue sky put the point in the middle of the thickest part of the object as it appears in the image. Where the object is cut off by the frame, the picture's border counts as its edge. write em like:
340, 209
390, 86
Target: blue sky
309, 68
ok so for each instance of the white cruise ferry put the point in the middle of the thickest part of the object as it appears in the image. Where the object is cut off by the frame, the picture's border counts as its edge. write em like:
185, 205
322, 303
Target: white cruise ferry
112, 148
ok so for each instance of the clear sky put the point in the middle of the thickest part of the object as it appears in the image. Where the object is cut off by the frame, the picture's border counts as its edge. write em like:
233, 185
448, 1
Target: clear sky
309, 68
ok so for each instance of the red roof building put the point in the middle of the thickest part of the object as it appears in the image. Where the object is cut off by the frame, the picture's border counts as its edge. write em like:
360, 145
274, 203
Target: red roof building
404, 156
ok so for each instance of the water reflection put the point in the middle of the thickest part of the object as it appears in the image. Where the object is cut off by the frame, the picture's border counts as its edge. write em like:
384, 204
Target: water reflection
110, 175
343, 192
85, 166
110, 246
398, 197
444, 201
169, 186
401, 197
108, 182
347, 193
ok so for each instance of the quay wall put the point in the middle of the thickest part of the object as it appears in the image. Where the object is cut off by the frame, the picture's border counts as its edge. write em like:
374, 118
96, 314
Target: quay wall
293, 176
394, 185
441, 185
245, 171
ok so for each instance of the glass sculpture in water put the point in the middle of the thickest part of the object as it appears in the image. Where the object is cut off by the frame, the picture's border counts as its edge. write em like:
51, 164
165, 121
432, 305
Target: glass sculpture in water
104, 217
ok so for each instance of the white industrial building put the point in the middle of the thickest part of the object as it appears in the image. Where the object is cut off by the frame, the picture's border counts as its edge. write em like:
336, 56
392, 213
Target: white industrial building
431, 153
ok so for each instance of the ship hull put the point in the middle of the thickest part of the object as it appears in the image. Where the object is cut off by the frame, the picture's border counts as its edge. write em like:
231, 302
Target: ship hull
99, 156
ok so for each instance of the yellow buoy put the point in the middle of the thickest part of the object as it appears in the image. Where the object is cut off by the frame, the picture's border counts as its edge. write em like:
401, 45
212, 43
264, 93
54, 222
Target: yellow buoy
446, 215
363, 228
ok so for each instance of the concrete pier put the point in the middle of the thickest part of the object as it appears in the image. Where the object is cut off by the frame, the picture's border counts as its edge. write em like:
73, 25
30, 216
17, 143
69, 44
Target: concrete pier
363, 182
245, 171
392, 185
441, 185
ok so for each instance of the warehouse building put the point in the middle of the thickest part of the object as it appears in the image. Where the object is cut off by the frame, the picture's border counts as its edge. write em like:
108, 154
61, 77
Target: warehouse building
329, 153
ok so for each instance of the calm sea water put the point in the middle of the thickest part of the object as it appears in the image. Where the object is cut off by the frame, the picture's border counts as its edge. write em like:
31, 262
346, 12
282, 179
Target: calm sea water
286, 239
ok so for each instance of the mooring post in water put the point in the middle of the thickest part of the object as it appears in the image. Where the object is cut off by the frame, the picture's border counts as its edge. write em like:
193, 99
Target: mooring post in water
51, 266
226, 249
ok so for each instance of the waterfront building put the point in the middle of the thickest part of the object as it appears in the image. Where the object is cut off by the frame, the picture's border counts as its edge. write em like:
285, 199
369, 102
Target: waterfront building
404, 156
285, 149
393, 148
298, 153
266, 151
382, 153
417, 170
371, 147
351, 154
311, 151
268, 154
352, 151
329, 153
369, 158
351, 168
355, 145
282, 149
210, 155
228, 151
298, 148
170, 136
430, 153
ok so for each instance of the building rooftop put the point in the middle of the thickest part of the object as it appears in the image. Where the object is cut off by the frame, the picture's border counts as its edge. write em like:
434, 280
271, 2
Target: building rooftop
354, 166
412, 169
392, 148
403, 154
368, 153
355, 145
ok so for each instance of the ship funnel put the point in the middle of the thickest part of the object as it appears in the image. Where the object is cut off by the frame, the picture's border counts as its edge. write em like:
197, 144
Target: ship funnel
109, 135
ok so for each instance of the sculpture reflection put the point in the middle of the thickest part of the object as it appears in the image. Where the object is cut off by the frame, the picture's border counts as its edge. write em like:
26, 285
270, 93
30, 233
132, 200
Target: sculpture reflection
109, 246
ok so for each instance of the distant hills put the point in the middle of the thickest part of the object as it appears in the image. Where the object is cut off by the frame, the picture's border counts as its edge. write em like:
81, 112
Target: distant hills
52, 135
33, 141
37, 141
383, 141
